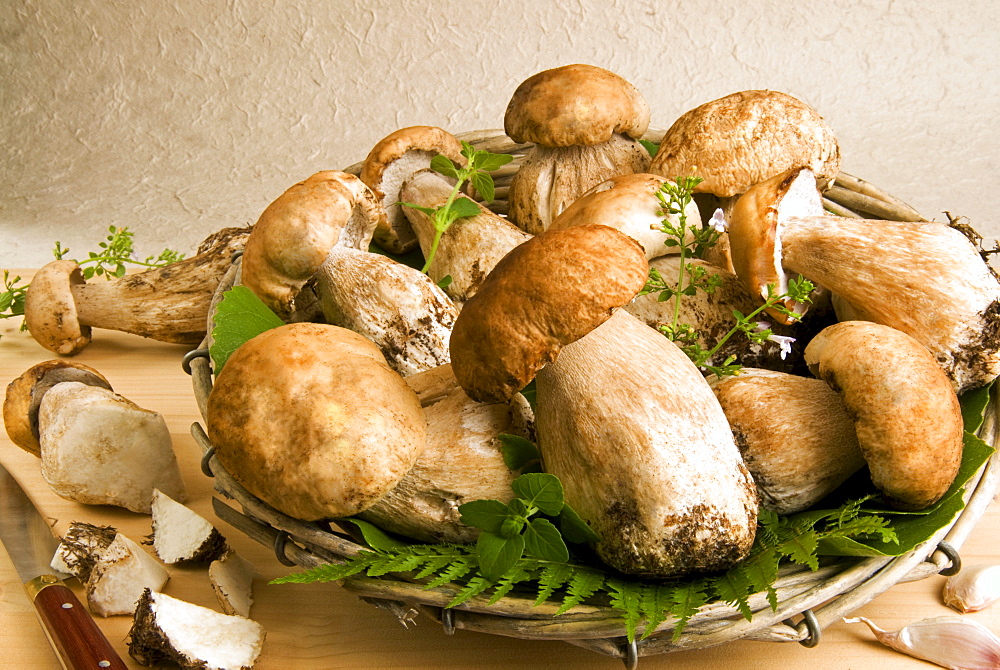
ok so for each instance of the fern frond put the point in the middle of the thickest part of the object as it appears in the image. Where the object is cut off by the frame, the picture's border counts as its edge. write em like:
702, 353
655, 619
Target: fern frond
582, 585
515, 576
802, 549
455, 570
553, 577
734, 587
331, 572
657, 602
688, 597
626, 597
474, 587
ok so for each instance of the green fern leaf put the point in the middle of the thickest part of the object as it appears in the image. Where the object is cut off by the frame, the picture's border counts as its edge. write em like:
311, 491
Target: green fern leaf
582, 585
456, 569
733, 587
657, 602
802, 549
626, 597
395, 563
688, 598
331, 572
553, 577
516, 575
432, 564
474, 587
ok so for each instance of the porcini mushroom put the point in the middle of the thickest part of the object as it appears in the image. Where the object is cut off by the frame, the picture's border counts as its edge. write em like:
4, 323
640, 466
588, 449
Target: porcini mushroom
745, 138
463, 461
393, 160
544, 294
168, 304
925, 279
318, 231
794, 433
906, 414
312, 420
122, 571
468, 250
585, 122
644, 451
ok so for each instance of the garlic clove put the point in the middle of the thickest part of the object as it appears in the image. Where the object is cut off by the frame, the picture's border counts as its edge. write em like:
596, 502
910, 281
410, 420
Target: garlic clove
974, 588
949, 641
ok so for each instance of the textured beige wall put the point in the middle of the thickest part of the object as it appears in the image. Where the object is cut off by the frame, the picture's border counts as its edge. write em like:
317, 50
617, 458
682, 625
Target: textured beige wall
178, 117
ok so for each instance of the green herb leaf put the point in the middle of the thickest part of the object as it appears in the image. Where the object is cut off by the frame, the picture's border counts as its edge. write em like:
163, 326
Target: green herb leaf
444, 165
488, 162
445, 281
429, 211
542, 540
651, 147
517, 451
575, 529
484, 186
498, 554
464, 207
375, 537
542, 490
240, 316
487, 515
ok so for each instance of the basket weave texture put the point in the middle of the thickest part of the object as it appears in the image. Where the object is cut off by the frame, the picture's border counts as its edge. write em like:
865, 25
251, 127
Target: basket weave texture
808, 601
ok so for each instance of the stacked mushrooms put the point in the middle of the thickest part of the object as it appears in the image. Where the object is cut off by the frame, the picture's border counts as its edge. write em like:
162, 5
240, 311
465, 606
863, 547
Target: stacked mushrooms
398, 390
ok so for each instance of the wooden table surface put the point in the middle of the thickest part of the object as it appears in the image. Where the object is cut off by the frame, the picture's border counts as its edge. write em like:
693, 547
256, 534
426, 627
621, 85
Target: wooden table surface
322, 626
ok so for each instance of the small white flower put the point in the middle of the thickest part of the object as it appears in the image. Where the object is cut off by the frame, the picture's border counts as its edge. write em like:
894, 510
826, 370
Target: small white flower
718, 221
784, 342
762, 326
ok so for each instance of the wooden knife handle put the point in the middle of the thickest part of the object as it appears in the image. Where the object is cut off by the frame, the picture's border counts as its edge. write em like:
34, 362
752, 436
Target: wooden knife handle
73, 632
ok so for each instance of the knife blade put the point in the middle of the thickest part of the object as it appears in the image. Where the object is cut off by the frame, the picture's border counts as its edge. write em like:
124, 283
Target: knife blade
28, 539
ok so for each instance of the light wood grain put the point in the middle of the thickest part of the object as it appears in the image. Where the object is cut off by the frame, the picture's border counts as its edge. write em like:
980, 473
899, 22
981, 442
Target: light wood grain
323, 626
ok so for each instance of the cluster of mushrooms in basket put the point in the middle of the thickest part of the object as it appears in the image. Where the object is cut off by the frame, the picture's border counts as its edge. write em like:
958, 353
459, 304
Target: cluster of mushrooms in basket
394, 384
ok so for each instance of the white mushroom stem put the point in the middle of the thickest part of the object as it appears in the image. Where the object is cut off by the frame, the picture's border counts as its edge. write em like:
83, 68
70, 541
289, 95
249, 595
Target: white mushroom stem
644, 452
398, 308
925, 279
463, 461
552, 178
470, 248
168, 304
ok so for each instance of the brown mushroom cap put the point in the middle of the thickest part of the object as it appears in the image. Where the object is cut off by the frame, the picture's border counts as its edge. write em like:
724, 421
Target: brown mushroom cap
390, 163
744, 138
544, 294
24, 397
907, 416
310, 419
575, 104
755, 230
294, 234
50, 310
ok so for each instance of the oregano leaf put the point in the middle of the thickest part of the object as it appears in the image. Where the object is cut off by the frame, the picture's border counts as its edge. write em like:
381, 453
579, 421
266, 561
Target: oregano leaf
464, 207
542, 540
443, 165
498, 554
240, 316
542, 490
487, 515
517, 451
575, 529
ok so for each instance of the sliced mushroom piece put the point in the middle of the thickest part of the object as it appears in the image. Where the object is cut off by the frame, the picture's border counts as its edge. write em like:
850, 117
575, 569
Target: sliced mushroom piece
122, 572
925, 279
168, 304
585, 122
398, 308
794, 433
24, 397
711, 316
79, 548
232, 580
907, 417
99, 448
312, 420
628, 203
169, 630
645, 453
470, 248
463, 461
544, 294
392, 161
181, 534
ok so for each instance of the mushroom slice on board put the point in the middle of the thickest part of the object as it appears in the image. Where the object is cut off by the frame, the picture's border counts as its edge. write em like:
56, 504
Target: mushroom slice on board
463, 461
79, 548
906, 414
168, 304
544, 294
392, 161
232, 580
181, 534
120, 574
312, 420
470, 248
925, 279
585, 122
644, 451
794, 433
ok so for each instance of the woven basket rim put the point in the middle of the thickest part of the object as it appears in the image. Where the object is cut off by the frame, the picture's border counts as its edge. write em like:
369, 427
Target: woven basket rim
817, 598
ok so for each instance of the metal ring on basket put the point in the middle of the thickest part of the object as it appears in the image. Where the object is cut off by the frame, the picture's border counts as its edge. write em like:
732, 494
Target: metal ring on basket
812, 627
630, 655
448, 620
280, 540
953, 557
206, 457
191, 356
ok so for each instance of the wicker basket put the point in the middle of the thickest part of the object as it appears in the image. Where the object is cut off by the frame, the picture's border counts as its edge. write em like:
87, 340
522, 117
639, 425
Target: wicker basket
808, 601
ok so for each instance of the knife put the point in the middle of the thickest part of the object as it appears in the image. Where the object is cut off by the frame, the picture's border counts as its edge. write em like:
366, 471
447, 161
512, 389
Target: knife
29, 541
